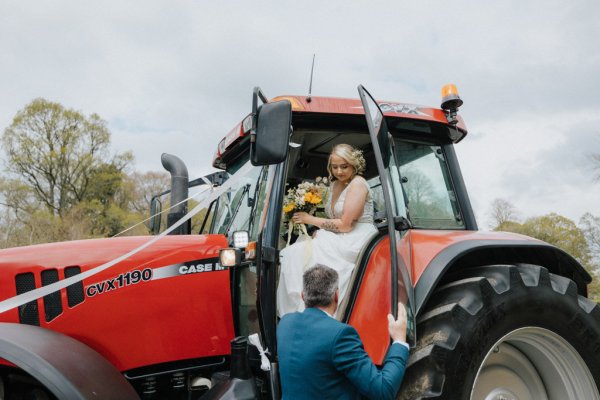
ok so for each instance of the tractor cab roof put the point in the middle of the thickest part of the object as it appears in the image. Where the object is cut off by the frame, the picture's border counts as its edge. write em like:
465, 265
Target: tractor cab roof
301, 105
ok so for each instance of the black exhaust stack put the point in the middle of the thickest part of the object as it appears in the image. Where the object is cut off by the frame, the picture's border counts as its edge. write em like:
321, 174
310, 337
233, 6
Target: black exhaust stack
238, 383
179, 192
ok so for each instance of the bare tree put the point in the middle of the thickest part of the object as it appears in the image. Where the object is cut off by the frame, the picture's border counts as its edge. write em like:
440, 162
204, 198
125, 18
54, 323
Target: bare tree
596, 164
144, 186
502, 211
590, 225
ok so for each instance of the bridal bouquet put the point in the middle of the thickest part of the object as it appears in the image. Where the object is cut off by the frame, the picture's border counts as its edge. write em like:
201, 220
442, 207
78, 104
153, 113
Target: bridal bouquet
308, 197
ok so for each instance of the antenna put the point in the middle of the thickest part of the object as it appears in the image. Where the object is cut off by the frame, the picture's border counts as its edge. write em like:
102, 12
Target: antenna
309, 98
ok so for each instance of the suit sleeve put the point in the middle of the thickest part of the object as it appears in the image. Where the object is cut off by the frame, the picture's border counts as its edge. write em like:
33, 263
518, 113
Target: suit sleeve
350, 358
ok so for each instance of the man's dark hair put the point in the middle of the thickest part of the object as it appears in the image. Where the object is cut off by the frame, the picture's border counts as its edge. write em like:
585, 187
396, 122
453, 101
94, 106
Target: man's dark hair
319, 284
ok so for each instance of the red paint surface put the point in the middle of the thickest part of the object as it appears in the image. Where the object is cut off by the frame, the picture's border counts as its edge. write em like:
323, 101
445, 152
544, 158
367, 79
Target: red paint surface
179, 317
334, 105
417, 249
426, 244
373, 303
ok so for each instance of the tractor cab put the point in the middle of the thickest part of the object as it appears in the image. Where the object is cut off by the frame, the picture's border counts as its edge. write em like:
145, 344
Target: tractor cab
413, 175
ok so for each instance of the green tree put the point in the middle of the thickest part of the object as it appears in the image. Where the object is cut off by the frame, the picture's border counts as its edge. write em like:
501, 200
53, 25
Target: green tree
18, 198
590, 225
564, 234
58, 153
63, 182
559, 231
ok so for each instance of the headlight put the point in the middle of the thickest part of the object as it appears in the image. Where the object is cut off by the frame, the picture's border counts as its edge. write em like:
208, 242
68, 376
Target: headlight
230, 257
240, 239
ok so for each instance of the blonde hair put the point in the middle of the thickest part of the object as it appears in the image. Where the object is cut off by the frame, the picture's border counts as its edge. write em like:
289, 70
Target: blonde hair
353, 156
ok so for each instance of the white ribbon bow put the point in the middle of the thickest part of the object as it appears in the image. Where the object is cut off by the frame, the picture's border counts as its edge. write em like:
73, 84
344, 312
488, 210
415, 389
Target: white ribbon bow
265, 364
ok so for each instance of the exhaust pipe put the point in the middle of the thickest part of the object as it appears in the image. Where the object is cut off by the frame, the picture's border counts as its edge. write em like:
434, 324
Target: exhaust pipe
238, 383
179, 192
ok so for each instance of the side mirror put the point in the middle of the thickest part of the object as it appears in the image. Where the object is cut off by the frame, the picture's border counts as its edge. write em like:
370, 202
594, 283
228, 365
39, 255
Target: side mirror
155, 214
273, 128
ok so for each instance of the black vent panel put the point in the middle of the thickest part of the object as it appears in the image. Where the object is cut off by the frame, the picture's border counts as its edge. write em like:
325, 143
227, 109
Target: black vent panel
74, 291
52, 304
28, 313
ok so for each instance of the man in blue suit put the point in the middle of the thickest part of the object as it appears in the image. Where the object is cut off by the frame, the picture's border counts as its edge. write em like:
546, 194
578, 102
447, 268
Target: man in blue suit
322, 358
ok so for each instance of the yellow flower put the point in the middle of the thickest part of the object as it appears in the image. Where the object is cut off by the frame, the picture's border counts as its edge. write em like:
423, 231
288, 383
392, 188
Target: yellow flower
289, 207
312, 198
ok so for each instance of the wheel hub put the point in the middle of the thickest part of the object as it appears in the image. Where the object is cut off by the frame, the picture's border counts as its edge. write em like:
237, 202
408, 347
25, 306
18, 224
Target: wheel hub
501, 394
533, 363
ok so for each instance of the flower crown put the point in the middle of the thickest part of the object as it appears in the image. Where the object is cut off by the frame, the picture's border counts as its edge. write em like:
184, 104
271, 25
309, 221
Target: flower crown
356, 159
360, 161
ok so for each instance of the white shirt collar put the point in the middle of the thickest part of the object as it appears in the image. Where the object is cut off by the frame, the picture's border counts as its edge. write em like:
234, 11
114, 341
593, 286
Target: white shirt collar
324, 312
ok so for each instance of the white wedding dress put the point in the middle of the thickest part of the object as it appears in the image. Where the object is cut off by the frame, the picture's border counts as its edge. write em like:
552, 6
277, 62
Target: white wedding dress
335, 250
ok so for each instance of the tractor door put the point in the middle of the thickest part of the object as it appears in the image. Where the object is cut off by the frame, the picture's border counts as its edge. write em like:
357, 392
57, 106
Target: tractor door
396, 218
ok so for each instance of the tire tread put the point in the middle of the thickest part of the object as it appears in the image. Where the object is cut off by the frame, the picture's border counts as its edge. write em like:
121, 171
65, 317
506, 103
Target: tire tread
454, 306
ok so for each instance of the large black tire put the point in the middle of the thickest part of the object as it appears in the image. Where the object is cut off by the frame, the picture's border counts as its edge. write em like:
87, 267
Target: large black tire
506, 332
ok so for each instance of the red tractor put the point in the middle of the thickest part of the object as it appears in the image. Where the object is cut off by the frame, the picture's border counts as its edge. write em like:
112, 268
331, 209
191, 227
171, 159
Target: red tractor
491, 315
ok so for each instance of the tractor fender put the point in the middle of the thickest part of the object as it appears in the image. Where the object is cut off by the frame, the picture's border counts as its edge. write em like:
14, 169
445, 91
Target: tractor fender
66, 367
474, 253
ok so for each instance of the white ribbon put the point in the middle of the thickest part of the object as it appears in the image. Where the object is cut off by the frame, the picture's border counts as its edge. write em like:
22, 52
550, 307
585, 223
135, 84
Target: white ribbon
304, 237
164, 211
35, 294
265, 364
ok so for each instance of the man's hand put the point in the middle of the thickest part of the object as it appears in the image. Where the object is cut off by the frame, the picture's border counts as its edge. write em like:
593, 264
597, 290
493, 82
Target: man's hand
397, 328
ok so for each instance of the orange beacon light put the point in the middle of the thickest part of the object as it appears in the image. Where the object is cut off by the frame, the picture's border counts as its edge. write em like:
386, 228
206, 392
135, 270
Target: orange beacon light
451, 102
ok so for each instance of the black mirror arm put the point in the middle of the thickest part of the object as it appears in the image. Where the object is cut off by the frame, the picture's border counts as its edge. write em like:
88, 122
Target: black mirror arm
402, 223
255, 95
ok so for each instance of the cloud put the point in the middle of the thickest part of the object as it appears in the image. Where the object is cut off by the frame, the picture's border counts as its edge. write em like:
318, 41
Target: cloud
177, 76
539, 163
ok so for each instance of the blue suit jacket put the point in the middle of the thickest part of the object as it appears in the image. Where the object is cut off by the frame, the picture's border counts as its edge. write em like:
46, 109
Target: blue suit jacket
322, 358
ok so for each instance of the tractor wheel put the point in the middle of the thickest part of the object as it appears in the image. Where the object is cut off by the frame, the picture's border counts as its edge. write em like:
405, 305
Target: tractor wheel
18, 385
506, 332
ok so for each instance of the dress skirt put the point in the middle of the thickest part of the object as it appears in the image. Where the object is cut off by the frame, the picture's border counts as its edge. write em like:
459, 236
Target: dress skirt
335, 250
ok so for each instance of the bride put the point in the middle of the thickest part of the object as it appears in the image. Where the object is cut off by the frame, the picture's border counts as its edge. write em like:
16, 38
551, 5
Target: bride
347, 228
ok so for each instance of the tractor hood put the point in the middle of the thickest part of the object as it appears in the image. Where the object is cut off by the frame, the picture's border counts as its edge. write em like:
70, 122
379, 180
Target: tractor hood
168, 302
94, 252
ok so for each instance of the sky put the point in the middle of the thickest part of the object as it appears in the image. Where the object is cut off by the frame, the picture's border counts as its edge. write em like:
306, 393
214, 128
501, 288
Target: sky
176, 76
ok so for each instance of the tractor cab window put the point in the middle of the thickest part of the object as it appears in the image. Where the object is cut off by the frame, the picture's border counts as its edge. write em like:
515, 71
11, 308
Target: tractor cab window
243, 207
429, 194
240, 207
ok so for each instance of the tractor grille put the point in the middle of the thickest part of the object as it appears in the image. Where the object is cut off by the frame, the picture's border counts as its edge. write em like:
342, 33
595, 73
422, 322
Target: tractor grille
74, 291
28, 313
53, 307
52, 304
